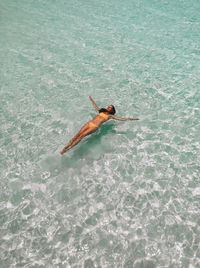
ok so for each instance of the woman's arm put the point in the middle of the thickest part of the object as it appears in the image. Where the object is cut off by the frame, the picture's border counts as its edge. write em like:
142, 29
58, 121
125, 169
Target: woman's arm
94, 104
121, 118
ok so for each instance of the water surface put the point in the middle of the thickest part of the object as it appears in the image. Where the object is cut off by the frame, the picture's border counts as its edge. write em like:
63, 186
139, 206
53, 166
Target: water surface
128, 195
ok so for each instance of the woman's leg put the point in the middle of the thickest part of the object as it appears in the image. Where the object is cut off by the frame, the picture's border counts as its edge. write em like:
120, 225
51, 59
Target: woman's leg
74, 138
80, 137
86, 130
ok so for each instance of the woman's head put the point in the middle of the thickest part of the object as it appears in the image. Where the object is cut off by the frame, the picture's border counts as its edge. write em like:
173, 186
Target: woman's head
111, 109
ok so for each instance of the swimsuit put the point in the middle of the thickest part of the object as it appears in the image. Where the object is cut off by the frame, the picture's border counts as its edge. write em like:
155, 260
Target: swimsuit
105, 116
92, 124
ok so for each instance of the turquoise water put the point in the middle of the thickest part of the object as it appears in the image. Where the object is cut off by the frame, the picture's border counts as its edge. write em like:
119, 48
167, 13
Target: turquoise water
128, 195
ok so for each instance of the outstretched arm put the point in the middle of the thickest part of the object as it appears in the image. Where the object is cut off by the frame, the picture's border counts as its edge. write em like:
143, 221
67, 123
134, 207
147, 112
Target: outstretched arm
122, 118
94, 104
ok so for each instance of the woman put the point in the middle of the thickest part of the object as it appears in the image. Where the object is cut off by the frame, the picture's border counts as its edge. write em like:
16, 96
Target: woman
94, 124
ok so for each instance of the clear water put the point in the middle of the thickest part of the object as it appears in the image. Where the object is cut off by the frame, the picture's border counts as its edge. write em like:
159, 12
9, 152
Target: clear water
129, 195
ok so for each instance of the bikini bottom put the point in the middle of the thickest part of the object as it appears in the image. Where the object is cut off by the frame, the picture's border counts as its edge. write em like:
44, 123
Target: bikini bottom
92, 125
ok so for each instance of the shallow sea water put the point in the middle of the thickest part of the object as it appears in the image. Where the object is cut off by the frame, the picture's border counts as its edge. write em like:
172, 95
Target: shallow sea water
128, 195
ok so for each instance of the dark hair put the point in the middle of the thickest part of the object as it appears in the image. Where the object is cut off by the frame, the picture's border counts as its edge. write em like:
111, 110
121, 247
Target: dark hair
103, 110
113, 110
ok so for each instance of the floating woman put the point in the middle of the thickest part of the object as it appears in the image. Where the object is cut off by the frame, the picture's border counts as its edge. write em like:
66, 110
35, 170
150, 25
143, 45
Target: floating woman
94, 124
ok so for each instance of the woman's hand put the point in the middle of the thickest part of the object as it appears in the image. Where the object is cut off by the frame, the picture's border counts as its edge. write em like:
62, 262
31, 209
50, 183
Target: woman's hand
94, 104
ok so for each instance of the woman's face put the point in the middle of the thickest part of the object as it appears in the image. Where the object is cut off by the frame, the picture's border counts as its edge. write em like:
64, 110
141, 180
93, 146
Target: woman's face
109, 108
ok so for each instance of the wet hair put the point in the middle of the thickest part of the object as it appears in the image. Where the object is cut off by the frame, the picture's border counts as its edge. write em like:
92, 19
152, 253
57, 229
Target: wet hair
103, 110
113, 110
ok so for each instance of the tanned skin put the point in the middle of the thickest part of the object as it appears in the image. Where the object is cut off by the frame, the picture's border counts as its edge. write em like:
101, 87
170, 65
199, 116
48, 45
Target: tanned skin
93, 125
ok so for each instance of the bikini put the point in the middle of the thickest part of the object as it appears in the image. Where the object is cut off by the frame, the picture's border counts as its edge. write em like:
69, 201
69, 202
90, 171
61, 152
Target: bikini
105, 116
92, 124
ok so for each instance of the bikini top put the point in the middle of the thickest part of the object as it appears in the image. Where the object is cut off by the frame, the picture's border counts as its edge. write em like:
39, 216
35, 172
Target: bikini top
105, 116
